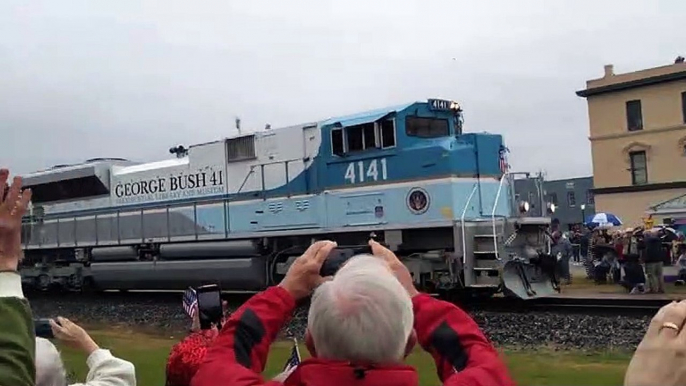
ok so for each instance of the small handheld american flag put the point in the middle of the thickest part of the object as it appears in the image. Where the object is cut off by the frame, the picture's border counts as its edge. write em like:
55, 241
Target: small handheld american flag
190, 302
294, 359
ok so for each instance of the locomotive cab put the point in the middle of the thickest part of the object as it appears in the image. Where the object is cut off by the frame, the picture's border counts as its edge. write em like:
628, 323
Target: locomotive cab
450, 192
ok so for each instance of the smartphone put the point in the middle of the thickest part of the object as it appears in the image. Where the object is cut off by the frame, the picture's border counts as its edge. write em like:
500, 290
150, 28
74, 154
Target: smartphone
339, 256
43, 329
210, 310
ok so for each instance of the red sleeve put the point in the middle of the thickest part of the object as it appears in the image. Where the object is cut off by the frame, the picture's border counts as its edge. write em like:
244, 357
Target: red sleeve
462, 353
238, 355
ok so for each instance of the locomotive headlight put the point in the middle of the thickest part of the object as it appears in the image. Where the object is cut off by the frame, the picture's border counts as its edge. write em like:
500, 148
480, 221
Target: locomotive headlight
524, 206
454, 106
551, 208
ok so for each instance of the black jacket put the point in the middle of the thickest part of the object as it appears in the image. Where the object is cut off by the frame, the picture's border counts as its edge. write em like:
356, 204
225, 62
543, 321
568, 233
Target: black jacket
653, 251
634, 273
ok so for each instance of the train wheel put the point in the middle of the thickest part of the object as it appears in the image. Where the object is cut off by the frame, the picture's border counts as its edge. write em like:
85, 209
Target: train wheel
43, 282
89, 286
471, 295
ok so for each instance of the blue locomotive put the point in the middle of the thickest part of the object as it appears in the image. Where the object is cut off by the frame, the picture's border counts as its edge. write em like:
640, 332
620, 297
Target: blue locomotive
239, 210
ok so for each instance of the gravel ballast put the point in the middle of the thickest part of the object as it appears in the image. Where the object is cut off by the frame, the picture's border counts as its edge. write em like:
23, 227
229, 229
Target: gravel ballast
531, 329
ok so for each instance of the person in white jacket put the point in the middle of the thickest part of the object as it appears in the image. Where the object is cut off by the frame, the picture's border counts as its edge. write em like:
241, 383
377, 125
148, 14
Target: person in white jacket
103, 368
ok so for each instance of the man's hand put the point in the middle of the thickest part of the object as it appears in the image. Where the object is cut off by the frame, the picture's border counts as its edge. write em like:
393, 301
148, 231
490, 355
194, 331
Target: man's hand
303, 275
195, 325
397, 267
73, 335
12, 208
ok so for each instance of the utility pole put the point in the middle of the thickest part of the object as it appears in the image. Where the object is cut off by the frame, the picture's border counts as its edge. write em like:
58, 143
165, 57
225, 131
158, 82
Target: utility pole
541, 195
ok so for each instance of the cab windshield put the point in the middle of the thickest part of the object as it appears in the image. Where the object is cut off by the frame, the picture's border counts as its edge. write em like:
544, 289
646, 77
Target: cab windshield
427, 127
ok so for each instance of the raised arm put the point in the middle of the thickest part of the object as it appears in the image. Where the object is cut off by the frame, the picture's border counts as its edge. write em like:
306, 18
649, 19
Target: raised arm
462, 353
104, 369
238, 355
17, 340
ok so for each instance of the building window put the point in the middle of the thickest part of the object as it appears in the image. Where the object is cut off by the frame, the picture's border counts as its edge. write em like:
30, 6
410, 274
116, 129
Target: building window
590, 200
553, 198
571, 199
639, 168
683, 105
426, 127
634, 116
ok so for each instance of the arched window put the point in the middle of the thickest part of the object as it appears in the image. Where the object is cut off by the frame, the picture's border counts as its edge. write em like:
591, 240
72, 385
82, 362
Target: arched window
636, 155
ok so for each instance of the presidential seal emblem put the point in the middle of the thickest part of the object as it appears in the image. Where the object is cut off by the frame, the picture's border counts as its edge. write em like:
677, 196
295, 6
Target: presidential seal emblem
418, 201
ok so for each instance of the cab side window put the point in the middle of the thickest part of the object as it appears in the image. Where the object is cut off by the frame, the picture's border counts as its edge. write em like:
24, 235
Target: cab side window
353, 139
337, 145
387, 133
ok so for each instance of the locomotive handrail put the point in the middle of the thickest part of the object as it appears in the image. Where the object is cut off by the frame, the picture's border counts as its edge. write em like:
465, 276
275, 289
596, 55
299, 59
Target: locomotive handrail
495, 206
252, 170
262, 165
464, 212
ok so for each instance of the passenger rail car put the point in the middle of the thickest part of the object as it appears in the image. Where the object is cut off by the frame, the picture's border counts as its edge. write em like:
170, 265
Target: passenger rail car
239, 210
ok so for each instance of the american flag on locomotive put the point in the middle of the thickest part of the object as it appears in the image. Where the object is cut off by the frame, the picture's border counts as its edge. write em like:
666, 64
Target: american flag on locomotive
190, 302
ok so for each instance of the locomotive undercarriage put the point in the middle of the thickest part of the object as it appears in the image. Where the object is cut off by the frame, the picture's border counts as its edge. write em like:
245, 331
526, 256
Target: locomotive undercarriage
473, 260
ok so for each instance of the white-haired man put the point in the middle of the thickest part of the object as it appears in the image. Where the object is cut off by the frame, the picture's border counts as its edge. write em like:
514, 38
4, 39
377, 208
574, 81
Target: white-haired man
361, 325
104, 368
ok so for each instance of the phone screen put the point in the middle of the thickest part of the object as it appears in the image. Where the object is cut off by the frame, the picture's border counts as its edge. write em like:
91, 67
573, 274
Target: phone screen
43, 329
209, 305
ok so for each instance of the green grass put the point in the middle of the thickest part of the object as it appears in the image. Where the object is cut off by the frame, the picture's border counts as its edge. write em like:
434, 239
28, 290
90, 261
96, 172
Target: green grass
538, 368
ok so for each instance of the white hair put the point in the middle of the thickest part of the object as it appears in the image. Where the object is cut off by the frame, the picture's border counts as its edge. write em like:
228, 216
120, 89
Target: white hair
49, 366
364, 314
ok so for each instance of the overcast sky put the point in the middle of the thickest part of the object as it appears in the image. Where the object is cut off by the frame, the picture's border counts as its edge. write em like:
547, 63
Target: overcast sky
131, 78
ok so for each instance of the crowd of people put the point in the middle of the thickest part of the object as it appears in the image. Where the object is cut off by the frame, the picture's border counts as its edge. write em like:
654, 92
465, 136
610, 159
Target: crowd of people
632, 257
363, 321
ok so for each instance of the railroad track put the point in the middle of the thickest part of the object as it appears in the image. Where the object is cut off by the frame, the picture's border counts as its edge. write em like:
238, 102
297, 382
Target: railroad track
592, 306
638, 306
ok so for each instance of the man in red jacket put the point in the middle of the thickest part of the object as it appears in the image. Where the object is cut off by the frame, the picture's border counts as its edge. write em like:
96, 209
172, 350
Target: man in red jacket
359, 298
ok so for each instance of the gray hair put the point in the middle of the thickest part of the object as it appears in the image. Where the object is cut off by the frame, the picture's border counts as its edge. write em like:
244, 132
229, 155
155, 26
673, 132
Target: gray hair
364, 314
49, 367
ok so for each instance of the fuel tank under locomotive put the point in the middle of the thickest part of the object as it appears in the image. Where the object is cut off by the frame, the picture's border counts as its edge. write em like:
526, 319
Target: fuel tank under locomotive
234, 265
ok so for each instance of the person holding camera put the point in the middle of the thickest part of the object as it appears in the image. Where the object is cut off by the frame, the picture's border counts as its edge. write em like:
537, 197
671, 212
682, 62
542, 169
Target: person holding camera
16, 320
104, 369
186, 356
362, 323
